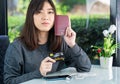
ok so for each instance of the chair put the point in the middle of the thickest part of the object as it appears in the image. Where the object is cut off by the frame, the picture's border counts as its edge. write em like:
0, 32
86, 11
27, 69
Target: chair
4, 42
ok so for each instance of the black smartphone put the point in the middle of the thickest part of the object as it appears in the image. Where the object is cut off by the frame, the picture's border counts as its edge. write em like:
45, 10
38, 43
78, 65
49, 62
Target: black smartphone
60, 77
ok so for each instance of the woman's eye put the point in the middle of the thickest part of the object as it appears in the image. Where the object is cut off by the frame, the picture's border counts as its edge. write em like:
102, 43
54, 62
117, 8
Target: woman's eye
51, 12
37, 12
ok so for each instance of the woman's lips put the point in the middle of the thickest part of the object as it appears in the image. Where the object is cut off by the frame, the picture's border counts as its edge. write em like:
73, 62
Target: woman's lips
45, 23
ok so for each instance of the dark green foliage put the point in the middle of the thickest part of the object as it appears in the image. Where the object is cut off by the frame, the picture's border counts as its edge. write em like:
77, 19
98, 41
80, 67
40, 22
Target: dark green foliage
92, 35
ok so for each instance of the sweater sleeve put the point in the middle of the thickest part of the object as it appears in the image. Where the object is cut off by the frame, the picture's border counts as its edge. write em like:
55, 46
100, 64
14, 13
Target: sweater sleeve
14, 66
76, 57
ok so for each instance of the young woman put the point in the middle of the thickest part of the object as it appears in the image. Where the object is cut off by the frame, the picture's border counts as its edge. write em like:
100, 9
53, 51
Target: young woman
28, 56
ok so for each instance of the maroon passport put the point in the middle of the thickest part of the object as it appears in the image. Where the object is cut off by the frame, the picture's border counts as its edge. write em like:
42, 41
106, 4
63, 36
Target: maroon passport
61, 23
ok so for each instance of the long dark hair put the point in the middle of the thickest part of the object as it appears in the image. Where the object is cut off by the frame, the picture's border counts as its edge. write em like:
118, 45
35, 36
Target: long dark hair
29, 34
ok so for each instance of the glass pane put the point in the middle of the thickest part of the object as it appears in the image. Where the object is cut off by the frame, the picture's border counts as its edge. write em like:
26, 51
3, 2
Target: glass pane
16, 17
88, 17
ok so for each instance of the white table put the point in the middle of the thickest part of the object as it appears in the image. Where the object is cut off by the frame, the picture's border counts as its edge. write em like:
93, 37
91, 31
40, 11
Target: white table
97, 75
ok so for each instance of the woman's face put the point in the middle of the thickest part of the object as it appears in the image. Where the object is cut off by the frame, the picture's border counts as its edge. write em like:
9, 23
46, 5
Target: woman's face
44, 19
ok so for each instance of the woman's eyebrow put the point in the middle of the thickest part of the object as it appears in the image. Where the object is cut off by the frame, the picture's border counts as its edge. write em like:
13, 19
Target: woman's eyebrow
50, 9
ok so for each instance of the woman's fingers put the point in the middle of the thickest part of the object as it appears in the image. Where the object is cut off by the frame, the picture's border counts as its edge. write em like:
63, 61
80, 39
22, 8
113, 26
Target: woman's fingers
69, 32
46, 65
70, 36
69, 23
48, 59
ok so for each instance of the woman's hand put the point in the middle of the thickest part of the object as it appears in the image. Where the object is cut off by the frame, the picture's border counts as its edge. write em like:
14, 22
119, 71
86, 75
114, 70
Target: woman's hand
46, 65
70, 36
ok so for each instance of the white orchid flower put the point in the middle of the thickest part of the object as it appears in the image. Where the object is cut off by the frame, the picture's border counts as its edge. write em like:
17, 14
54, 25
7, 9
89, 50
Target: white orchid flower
106, 33
112, 29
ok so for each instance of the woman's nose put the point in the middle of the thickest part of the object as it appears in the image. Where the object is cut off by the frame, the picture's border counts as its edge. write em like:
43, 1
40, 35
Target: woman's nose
45, 17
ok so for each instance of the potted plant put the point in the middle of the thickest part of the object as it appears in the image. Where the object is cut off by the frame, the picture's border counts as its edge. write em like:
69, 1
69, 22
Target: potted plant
108, 48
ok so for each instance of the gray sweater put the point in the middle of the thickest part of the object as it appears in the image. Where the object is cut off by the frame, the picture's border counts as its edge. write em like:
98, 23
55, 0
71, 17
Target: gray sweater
22, 65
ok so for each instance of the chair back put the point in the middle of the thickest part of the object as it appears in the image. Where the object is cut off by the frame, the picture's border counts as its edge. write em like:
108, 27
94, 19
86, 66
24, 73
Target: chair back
4, 42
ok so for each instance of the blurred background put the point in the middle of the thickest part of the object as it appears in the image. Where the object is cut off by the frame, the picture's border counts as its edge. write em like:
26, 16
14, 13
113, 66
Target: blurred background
88, 17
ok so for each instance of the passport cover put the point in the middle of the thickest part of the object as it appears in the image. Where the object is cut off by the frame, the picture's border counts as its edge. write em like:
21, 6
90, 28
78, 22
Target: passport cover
61, 23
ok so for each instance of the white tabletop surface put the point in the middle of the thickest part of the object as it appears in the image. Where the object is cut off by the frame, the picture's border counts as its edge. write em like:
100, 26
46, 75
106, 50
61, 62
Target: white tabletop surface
97, 75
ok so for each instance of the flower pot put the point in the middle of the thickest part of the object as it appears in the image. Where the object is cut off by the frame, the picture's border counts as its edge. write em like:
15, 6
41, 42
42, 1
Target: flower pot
106, 62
